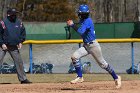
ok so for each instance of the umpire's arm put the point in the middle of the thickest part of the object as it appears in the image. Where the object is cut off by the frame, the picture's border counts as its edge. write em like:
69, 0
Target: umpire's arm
22, 33
1, 34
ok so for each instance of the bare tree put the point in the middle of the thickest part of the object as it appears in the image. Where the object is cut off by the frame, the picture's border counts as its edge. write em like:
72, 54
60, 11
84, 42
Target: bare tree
23, 8
101, 10
4, 5
1, 1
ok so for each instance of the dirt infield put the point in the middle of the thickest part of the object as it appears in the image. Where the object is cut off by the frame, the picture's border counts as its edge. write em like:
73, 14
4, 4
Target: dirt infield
132, 86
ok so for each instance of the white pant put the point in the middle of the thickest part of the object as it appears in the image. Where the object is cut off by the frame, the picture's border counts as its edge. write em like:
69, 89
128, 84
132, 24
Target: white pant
93, 49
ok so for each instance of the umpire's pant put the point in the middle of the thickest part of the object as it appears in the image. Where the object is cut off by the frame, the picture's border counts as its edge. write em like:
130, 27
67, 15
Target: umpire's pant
15, 54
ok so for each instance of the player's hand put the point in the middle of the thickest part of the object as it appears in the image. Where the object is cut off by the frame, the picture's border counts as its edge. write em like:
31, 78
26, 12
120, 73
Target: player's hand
70, 23
19, 45
4, 47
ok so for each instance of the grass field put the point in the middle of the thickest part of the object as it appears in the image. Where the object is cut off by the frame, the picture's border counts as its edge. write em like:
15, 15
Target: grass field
59, 78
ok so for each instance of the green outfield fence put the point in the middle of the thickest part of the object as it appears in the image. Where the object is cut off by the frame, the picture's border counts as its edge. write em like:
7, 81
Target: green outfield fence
59, 33
56, 31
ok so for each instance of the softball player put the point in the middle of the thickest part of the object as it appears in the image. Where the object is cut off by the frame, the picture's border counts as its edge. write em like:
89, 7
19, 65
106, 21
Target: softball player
91, 46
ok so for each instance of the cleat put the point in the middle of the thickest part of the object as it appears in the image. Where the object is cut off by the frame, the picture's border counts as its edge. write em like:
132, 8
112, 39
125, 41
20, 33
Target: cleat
118, 82
77, 80
26, 82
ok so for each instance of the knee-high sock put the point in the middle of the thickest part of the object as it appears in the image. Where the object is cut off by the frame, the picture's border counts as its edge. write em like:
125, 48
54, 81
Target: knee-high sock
112, 72
78, 68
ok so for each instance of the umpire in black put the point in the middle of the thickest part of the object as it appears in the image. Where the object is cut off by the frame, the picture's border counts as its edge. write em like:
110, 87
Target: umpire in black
12, 35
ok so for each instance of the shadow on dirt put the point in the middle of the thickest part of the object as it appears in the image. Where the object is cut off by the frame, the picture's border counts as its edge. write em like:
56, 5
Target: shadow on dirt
72, 89
5, 83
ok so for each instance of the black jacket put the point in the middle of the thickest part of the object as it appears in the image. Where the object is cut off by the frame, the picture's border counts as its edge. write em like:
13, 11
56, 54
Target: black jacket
12, 33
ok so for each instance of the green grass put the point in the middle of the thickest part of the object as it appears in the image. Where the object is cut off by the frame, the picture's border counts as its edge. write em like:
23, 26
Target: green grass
60, 78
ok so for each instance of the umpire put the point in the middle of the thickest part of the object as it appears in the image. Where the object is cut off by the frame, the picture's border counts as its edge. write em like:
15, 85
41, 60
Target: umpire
12, 35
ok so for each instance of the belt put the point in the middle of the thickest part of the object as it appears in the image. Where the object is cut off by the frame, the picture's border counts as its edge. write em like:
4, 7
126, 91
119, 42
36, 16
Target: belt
90, 42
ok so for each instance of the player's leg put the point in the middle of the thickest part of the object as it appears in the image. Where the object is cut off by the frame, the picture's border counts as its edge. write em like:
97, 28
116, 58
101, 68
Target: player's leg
2, 54
77, 64
15, 54
95, 50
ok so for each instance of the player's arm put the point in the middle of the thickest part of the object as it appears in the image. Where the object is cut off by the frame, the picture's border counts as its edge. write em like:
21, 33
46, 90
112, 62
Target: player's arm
71, 24
75, 27
82, 29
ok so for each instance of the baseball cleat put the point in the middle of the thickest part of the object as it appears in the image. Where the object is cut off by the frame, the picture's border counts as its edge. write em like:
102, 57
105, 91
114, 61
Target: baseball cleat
77, 80
118, 82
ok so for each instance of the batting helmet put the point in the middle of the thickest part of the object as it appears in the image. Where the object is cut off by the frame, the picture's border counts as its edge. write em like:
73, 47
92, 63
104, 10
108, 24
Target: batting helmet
83, 11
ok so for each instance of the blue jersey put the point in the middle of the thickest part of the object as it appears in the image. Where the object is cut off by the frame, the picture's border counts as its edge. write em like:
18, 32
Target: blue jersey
86, 30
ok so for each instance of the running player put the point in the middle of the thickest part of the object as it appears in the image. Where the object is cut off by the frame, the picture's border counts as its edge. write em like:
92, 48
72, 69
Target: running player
91, 46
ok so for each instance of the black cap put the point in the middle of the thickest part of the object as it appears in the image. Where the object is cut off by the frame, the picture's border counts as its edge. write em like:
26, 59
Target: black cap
12, 11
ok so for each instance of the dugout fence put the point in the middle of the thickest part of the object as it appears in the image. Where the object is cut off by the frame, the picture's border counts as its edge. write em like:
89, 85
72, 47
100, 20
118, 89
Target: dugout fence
132, 41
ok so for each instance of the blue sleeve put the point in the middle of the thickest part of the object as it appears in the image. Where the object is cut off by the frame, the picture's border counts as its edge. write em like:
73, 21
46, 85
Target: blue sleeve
83, 28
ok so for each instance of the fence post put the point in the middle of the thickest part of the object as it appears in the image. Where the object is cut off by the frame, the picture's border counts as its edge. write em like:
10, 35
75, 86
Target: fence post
132, 56
31, 58
79, 45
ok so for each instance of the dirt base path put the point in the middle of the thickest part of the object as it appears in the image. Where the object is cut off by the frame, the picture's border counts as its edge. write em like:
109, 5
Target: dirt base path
86, 87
